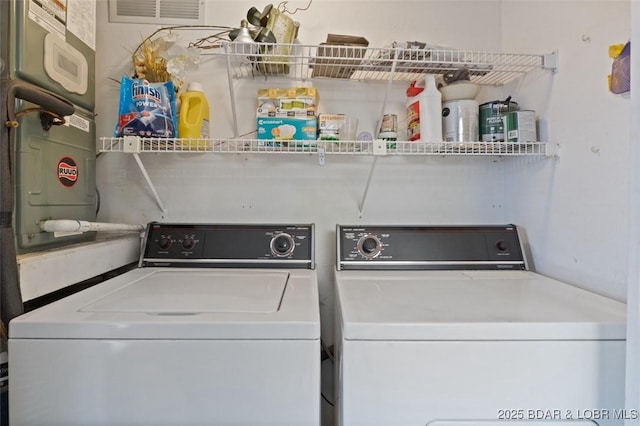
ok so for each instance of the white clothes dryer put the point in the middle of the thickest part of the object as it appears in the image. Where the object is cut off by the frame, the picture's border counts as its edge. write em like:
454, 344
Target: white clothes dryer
218, 326
446, 326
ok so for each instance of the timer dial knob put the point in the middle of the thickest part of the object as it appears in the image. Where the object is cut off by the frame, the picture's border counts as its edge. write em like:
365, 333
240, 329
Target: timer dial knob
369, 246
188, 243
502, 245
164, 243
282, 245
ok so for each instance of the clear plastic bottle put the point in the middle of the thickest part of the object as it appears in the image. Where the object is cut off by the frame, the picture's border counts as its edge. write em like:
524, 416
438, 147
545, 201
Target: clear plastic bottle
193, 119
424, 110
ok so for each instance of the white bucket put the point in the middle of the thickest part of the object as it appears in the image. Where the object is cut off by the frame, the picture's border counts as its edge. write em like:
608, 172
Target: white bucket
460, 121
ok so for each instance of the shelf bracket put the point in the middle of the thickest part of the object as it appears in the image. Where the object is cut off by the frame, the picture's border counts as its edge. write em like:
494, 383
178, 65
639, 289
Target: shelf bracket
148, 179
366, 188
321, 156
232, 94
552, 150
379, 147
550, 61
133, 145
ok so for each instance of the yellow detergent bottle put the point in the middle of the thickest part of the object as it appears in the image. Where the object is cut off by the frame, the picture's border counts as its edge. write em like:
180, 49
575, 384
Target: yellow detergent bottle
193, 119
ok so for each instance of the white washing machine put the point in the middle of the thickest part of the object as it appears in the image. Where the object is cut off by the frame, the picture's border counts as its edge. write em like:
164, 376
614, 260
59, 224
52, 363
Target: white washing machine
446, 326
219, 325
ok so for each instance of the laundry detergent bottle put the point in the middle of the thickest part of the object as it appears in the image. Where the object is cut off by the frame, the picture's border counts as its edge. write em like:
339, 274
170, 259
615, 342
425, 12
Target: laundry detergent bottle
424, 110
193, 118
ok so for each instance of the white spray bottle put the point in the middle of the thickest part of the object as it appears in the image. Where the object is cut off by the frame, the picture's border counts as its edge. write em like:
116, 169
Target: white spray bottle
424, 110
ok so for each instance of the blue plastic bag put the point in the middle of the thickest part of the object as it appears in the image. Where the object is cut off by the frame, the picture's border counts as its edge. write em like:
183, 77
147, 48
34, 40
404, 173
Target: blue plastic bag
146, 109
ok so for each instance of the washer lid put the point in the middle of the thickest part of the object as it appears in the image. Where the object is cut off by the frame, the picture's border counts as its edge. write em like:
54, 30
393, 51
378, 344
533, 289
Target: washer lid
170, 292
184, 303
472, 305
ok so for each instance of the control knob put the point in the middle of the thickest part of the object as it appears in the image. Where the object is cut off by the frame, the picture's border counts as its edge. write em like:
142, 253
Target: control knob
188, 243
502, 245
282, 245
369, 246
164, 243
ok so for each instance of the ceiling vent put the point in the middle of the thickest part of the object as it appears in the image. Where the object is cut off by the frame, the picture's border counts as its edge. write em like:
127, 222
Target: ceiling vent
163, 12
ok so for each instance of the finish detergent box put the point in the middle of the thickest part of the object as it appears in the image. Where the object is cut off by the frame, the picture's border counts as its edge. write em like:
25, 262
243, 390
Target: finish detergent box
146, 109
282, 128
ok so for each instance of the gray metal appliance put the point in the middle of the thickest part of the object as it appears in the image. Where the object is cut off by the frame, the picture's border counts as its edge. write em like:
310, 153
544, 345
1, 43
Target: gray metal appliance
47, 46
51, 44
54, 177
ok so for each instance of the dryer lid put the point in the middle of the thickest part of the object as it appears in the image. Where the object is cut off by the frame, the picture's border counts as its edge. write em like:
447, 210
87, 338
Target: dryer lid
472, 305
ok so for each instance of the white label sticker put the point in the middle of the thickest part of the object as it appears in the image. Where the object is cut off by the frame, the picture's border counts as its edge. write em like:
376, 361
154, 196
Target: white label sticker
78, 122
50, 15
81, 20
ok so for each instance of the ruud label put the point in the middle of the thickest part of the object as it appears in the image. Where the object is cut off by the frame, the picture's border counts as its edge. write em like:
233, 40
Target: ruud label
67, 171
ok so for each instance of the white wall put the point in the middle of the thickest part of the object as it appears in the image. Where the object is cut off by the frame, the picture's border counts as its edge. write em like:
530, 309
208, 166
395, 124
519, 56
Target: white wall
573, 209
633, 298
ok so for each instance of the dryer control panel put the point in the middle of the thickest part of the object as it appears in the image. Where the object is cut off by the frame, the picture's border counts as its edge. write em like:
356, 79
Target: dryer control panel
242, 245
429, 247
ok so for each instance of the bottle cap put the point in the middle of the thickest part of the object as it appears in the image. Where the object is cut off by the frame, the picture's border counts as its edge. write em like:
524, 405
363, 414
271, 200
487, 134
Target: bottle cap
412, 90
195, 87
388, 134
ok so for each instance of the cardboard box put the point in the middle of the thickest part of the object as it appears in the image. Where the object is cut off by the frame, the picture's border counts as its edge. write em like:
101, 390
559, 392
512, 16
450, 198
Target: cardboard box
329, 126
339, 47
287, 129
294, 102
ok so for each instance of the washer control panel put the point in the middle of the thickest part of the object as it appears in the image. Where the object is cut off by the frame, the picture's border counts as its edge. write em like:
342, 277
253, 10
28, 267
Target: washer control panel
429, 247
213, 245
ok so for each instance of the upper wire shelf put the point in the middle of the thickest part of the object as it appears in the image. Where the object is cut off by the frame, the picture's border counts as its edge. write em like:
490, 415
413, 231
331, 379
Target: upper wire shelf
134, 144
303, 62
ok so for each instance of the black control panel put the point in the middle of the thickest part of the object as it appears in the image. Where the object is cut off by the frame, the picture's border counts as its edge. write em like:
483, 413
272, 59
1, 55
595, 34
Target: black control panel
429, 247
228, 245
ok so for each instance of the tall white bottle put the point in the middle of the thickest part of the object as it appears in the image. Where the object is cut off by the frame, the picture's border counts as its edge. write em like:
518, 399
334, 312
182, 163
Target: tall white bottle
424, 110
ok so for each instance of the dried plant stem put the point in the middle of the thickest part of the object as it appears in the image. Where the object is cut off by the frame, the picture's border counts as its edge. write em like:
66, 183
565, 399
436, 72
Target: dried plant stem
176, 27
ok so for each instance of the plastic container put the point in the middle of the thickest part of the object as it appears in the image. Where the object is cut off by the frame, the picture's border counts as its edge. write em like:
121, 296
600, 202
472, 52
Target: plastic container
424, 109
193, 119
460, 120
388, 129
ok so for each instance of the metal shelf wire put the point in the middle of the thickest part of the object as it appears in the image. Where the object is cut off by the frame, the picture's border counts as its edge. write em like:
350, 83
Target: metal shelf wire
135, 146
256, 146
302, 62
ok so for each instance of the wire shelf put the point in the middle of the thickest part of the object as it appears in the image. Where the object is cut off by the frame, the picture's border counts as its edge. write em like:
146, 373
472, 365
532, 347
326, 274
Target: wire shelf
366, 63
468, 148
260, 146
